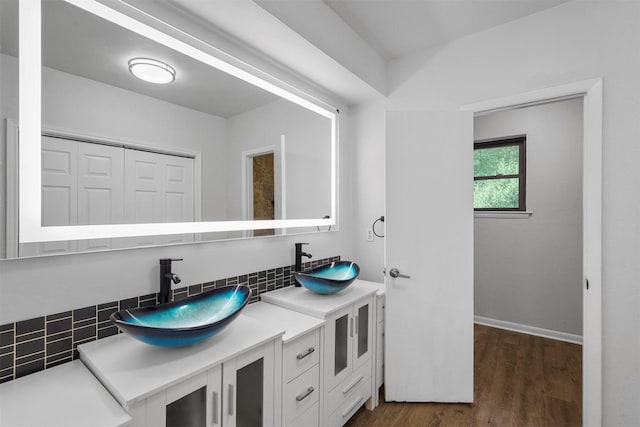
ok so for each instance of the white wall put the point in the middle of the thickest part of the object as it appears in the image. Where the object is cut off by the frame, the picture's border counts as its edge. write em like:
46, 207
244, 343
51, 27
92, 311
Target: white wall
529, 270
574, 41
369, 180
307, 155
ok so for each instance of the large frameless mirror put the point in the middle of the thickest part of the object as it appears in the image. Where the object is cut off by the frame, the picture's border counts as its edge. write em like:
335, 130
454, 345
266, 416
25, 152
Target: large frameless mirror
200, 150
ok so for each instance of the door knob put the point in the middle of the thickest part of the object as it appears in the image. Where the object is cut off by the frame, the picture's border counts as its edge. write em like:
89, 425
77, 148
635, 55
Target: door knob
395, 273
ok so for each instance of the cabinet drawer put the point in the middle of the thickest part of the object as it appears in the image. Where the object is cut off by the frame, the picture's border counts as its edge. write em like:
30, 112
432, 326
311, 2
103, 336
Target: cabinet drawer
300, 394
380, 301
300, 354
350, 404
349, 387
310, 418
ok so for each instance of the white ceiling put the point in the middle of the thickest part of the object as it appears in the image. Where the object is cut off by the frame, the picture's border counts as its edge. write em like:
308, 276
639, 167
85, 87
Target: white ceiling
342, 46
362, 36
397, 27
82, 44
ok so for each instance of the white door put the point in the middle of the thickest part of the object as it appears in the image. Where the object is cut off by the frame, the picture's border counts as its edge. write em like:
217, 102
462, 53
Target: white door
178, 195
158, 188
59, 194
429, 237
100, 190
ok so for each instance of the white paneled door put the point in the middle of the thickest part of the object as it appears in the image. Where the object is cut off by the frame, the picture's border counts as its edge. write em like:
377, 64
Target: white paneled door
429, 250
87, 183
159, 188
59, 194
100, 190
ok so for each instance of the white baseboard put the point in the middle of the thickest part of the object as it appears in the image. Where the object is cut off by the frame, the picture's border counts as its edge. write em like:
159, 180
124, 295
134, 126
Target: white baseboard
531, 330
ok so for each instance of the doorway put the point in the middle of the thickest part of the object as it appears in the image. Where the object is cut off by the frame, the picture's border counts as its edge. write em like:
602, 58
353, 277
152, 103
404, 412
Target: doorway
528, 256
263, 186
528, 242
263, 191
591, 92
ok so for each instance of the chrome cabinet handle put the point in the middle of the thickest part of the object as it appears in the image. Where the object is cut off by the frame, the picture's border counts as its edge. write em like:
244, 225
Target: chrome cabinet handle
231, 399
352, 407
304, 395
352, 385
357, 325
214, 412
303, 355
351, 327
395, 273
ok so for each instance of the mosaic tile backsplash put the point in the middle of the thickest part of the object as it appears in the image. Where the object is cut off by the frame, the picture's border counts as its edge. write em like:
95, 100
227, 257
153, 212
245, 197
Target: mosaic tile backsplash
32, 345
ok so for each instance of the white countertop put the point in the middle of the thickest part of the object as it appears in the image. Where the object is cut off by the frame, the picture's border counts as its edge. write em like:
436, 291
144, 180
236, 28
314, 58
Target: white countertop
67, 395
132, 370
295, 323
307, 302
382, 288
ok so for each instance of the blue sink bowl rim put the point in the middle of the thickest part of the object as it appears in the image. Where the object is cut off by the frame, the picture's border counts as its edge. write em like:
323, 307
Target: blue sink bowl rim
329, 278
160, 324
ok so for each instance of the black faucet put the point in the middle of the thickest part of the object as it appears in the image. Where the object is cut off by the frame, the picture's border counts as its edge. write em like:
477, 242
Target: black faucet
299, 255
166, 277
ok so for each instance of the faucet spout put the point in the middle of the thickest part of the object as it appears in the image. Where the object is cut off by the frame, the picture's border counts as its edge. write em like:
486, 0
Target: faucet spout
173, 277
166, 277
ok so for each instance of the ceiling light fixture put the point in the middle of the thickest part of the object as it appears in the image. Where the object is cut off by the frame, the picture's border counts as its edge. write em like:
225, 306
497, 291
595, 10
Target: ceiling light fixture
151, 70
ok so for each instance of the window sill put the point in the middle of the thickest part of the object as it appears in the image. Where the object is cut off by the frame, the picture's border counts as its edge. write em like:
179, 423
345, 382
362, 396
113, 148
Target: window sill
503, 215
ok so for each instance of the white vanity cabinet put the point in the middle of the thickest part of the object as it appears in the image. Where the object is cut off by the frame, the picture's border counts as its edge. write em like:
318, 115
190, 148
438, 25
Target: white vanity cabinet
193, 402
301, 381
301, 363
348, 344
349, 341
248, 389
241, 384
226, 381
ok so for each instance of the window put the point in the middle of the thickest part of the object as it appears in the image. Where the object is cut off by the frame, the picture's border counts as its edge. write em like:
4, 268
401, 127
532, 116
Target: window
499, 174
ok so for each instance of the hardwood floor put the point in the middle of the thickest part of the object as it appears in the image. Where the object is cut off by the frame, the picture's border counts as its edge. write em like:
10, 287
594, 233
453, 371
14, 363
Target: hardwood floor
519, 380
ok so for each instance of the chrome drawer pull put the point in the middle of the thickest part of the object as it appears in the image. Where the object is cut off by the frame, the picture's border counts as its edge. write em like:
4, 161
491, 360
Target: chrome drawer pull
302, 356
304, 395
352, 385
231, 399
352, 407
215, 408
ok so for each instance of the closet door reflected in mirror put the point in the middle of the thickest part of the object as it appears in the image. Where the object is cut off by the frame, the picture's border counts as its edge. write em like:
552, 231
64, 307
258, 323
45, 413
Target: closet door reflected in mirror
89, 182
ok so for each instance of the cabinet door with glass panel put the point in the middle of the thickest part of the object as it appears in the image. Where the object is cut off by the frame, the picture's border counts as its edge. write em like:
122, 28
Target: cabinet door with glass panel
247, 387
194, 402
348, 340
237, 393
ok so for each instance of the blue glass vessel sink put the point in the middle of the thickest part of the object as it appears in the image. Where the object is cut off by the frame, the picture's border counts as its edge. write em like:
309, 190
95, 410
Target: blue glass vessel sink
329, 278
184, 322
